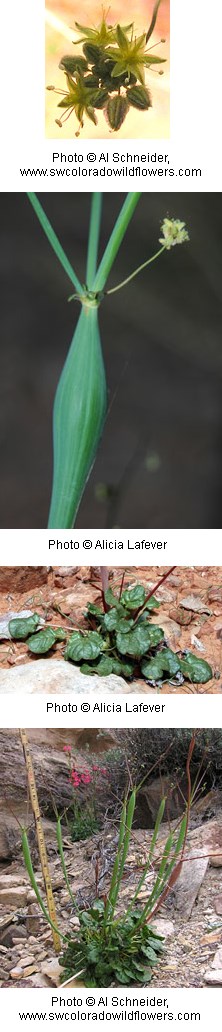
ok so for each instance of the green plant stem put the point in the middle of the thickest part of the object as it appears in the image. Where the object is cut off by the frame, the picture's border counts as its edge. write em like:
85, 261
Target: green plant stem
153, 20
93, 241
113, 896
53, 240
115, 240
29, 868
136, 272
150, 856
109, 902
62, 858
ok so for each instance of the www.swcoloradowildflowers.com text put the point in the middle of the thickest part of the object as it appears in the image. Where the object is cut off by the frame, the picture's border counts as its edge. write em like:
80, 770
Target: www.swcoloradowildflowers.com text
136, 171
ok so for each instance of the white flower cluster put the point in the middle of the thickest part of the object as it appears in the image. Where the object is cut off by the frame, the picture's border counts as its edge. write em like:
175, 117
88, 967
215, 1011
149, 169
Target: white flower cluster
174, 232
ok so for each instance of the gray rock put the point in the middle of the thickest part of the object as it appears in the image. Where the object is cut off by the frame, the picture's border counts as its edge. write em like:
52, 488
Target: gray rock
163, 927
58, 676
217, 961
186, 888
213, 977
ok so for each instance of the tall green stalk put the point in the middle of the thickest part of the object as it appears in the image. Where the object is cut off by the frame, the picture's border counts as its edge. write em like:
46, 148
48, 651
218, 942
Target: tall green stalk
54, 241
115, 240
93, 242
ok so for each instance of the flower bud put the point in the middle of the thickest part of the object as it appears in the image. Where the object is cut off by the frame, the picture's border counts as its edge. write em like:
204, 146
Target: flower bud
116, 111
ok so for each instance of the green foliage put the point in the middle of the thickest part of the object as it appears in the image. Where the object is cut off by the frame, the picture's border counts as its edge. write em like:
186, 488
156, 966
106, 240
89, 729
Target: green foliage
21, 627
114, 60
83, 825
195, 669
107, 945
125, 642
110, 947
125, 954
44, 640
80, 647
165, 662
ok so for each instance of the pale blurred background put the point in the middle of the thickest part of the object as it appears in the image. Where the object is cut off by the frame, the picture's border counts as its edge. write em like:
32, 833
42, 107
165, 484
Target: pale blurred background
60, 31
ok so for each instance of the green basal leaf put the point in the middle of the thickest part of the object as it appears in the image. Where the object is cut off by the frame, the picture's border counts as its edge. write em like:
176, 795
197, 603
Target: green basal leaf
60, 634
111, 620
166, 662
156, 635
149, 953
104, 667
196, 670
139, 640
152, 669
171, 661
42, 642
133, 598
21, 627
93, 610
125, 625
114, 621
122, 669
80, 647
111, 599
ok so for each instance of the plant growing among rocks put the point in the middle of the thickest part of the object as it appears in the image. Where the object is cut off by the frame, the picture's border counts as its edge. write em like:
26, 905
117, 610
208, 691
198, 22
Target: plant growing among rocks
109, 74
110, 946
120, 640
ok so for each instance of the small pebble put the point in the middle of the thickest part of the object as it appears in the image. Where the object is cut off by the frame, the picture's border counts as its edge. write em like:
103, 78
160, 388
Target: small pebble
26, 961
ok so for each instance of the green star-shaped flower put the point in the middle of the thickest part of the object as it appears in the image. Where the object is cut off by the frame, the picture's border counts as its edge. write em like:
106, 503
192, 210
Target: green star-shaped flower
79, 99
131, 56
102, 35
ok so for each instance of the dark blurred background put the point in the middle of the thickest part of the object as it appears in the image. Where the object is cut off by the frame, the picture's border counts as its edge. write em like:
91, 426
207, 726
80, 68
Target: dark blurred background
159, 461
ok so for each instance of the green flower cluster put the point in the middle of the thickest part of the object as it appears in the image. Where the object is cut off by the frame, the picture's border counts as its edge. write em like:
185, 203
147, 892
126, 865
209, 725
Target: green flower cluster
109, 74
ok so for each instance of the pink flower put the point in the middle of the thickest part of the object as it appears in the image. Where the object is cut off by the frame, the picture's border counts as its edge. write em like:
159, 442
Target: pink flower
86, 779
75, 778
67, 748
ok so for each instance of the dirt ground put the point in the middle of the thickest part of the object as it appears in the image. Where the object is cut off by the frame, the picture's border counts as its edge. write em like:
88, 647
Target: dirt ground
190, 611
